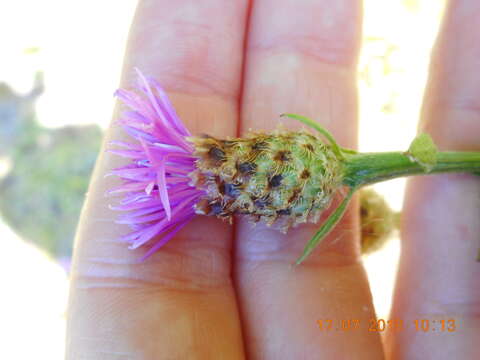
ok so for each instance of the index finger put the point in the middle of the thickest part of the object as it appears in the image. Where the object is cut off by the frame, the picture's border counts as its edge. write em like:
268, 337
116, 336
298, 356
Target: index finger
180, 303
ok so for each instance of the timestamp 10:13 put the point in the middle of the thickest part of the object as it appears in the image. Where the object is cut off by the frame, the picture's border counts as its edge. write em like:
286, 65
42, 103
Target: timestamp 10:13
427, 325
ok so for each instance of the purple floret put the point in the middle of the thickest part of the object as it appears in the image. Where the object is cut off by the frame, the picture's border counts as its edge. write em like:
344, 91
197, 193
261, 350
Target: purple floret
157, 198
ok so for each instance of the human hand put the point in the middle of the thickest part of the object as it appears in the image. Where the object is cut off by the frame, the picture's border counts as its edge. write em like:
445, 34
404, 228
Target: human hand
217, 291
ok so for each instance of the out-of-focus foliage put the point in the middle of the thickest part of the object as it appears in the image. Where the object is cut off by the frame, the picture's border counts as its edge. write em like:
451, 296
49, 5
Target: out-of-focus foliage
42, 193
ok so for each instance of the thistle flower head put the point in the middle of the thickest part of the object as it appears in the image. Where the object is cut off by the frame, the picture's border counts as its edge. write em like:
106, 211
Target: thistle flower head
283, 178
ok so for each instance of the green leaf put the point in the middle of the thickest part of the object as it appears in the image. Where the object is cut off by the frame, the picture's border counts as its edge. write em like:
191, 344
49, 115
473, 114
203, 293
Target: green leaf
423, 151
326, 227
314, 125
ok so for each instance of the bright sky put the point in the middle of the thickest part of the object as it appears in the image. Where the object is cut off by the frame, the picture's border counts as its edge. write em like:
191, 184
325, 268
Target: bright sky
79, 47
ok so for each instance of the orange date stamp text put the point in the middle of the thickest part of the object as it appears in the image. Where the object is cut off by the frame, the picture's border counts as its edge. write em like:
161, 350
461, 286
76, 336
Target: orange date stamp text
381, 325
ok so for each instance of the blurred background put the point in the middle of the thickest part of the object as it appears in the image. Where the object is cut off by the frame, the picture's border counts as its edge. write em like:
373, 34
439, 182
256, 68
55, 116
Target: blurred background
60, 62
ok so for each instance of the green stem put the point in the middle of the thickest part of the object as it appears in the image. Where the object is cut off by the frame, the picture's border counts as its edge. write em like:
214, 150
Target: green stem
360, 169
327, 226
369, 168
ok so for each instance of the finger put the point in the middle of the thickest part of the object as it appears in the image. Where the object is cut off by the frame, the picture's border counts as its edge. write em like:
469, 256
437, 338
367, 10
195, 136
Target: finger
438, 275
301, 58
179, 303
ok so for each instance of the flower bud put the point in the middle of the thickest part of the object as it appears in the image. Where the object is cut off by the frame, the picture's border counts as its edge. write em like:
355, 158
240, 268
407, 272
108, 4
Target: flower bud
377, 220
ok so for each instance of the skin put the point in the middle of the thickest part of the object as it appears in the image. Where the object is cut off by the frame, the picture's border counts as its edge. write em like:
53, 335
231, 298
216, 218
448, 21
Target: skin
222, 292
